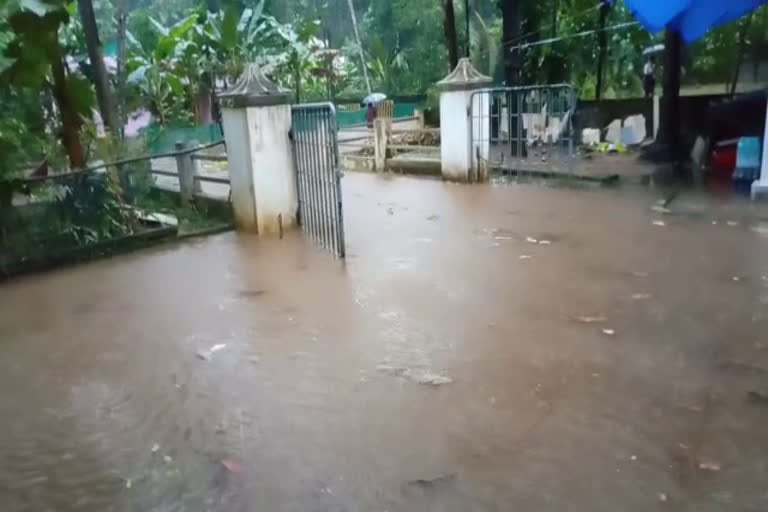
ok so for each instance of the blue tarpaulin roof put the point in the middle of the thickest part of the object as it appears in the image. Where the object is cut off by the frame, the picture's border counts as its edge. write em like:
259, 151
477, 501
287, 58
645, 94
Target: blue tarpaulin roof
692, 18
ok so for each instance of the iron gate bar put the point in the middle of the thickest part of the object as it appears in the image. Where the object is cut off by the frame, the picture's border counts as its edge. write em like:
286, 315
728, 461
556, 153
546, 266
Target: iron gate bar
318, 178
517, 107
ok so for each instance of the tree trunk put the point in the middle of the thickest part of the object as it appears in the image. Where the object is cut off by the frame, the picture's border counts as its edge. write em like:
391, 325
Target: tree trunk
122, 29
100, 78
359, 45
602, 44
669, 123
449, 29
70, 122
510, 37
467, 14
740, 50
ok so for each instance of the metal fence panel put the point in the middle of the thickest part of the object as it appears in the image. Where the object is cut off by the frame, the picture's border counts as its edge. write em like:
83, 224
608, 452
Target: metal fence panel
523, 129
318, 178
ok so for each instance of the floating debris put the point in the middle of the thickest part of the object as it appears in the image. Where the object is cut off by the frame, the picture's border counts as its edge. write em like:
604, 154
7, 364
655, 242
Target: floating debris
585, 319
659, 223
391, 370
639, 274
633, 457
531, 240
736, 278
756, 397
709, 466
663, 497
233, 465
250, 294
544, 242
419, 377
525, 257
660, 209
641, 296
609, 332
431, 379
433, 483
433, 217
206, 355
167, 459
732, 223
155, 448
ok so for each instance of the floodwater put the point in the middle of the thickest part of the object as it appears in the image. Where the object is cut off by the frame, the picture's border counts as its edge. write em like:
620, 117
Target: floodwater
451, 364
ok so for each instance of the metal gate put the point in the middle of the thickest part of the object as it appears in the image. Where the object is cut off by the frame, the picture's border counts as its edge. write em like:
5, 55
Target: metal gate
523, 129
318, 178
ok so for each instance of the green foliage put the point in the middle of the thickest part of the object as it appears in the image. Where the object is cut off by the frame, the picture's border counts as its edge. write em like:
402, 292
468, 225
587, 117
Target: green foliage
17, 146
169, 65
91, 210
404, 41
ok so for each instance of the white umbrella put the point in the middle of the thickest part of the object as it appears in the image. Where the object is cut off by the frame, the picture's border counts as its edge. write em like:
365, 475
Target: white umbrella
374, 98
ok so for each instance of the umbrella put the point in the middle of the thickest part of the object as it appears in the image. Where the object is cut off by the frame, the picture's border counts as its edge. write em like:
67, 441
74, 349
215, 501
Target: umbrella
374, 98
692, 18
657, 48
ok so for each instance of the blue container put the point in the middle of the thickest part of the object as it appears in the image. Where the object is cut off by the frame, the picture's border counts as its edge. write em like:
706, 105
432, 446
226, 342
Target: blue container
747, 170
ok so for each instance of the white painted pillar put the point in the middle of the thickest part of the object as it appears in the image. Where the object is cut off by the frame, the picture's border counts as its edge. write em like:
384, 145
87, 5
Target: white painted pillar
655, 115
455, 153
464, 131
760, 186
257, 121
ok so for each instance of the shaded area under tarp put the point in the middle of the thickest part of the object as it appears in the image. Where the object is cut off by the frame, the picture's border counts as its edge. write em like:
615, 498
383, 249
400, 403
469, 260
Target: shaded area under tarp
692, 18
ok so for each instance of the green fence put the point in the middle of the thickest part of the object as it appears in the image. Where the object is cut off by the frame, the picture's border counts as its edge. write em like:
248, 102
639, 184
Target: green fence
163, 139
345, 118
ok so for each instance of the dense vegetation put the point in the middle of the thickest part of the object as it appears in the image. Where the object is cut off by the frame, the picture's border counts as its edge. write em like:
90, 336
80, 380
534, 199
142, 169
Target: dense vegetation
170, 56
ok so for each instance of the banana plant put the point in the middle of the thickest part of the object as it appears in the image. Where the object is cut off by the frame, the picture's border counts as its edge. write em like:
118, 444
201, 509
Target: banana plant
33, 57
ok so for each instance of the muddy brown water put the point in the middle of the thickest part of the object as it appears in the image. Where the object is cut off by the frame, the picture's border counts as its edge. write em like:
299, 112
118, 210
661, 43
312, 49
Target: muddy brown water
324, 397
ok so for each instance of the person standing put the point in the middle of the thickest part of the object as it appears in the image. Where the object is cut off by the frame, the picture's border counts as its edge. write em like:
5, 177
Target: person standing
370, 115
649, 82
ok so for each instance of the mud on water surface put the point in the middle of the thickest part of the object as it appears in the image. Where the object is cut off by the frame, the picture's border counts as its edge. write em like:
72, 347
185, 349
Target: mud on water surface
482, 348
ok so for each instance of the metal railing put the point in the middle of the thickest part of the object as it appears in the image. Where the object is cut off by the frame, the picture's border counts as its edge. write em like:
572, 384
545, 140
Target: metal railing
527, 128
186, 171
318, 177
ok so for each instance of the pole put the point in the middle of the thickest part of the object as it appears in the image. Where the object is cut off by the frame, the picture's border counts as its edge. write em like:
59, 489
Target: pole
602, 48
466, 15
359, 45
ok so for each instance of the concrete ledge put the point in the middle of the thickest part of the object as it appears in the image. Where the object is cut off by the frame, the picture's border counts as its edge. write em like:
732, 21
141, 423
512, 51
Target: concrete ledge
353, 162
416, 164
758, 190
607, 179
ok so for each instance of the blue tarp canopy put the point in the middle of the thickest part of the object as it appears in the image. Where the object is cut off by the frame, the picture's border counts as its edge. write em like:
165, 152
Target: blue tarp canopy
692, 18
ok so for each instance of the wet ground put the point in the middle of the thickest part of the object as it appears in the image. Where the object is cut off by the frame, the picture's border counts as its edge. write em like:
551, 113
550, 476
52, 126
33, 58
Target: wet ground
483, 348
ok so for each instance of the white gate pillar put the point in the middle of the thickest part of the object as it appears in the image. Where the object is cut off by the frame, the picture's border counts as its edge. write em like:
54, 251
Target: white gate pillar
256, 116
463, 130
760, 186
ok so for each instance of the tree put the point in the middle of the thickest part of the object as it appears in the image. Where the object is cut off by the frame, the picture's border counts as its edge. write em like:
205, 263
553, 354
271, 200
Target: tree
669, 122
602, 46
34, 54
359, 45
510, 16
101, 83
449, 27
121, 19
